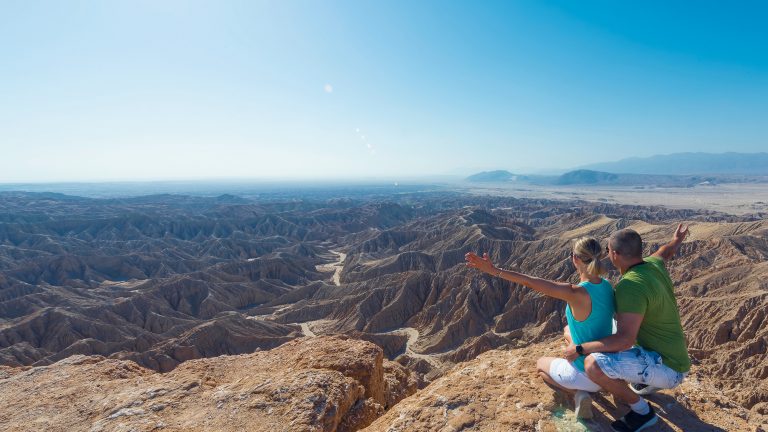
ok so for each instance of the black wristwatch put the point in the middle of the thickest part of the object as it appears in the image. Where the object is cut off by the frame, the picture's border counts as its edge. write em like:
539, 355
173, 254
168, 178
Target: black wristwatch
580, 350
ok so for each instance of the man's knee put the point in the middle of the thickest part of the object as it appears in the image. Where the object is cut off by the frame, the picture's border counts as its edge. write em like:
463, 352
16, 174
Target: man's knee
593, 369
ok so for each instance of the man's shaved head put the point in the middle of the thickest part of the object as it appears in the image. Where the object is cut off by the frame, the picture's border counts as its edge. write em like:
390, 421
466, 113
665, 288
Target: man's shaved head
627, 242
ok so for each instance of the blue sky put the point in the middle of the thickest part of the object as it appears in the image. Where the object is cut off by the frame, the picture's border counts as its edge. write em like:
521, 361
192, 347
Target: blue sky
148, 90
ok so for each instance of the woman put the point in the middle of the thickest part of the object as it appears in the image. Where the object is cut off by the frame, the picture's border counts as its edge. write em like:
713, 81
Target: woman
589, 314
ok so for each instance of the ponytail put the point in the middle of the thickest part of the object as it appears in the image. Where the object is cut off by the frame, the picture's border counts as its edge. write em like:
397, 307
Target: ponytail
589, 251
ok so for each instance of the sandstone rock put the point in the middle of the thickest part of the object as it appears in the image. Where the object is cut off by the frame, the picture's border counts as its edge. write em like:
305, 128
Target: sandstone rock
317, 384
500, 391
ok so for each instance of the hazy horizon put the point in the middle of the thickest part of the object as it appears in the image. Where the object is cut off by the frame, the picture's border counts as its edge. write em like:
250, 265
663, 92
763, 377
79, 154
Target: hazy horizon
339, 91
458, 174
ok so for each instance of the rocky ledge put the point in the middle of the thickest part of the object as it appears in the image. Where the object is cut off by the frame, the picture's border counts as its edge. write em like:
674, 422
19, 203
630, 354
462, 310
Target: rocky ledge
331, 384
500, 391
318, 384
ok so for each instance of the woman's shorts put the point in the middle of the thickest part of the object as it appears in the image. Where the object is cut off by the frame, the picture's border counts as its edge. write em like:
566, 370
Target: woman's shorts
566, 375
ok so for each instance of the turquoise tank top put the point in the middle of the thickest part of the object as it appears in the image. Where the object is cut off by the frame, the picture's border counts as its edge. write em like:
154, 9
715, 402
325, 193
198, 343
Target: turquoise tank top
599, 323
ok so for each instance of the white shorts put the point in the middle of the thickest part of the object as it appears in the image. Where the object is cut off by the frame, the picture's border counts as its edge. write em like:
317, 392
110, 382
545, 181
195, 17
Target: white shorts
566, 375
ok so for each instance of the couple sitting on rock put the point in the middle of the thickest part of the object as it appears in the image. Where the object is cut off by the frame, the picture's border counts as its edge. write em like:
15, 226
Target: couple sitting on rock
646, 348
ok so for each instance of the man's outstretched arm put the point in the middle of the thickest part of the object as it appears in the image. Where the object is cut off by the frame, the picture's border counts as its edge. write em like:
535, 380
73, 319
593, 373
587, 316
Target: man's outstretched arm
668, 251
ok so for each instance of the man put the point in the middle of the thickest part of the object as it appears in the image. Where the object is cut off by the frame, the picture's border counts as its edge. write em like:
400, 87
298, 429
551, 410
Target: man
648, 349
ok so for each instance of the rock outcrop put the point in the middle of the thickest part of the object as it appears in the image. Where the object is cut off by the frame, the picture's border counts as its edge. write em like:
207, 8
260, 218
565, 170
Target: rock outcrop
331, 384
500, 391
310, 384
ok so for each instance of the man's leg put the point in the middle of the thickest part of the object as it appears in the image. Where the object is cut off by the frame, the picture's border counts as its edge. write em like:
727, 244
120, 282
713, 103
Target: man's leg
641, 415
616, 387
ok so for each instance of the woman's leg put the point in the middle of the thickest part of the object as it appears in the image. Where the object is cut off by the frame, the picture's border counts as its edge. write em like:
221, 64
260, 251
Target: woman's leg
543, 366
561, 375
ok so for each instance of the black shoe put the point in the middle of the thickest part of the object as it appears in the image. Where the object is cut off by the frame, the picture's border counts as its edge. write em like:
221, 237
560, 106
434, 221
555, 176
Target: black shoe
643, 389
633, 422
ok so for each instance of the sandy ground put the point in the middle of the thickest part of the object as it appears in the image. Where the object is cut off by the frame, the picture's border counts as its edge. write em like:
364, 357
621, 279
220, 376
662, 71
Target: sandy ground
306, 330
738, 199
413, 336
336, 267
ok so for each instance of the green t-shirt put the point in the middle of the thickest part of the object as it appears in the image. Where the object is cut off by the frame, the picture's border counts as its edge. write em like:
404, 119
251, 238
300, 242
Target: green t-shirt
647, 289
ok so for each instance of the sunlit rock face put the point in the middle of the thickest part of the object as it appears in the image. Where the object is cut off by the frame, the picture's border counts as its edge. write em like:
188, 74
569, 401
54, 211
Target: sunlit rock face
321, 384
330, 384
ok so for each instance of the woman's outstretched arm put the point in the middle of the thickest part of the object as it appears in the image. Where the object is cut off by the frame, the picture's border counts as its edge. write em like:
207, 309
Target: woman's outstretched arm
560, 290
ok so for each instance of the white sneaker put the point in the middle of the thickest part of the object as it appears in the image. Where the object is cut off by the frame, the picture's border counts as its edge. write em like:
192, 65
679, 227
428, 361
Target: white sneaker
643, 389
583, 405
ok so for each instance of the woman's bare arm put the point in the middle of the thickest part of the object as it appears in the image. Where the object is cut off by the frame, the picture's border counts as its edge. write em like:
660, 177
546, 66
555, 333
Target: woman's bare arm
559, 290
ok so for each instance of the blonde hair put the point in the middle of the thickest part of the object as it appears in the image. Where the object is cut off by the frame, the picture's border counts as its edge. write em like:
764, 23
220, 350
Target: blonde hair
590, 252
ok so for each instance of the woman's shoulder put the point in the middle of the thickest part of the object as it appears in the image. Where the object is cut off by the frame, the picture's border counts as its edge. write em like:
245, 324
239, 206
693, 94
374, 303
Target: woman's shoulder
604, 283
602, 290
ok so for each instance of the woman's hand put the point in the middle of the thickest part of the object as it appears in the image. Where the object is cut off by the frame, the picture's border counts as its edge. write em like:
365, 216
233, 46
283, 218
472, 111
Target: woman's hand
570, 353
483, 264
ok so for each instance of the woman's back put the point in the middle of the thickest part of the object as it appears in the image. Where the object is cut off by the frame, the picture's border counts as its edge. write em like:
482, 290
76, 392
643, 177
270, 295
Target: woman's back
599, 323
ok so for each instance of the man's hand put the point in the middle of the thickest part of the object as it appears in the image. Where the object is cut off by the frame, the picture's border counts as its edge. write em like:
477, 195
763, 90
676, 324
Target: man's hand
483, 264
680, 233
667, 251
570, 353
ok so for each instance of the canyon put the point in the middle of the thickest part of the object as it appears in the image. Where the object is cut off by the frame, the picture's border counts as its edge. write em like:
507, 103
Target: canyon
343, 312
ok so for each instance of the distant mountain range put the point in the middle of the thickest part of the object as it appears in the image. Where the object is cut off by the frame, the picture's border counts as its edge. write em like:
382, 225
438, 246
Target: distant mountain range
600, 178
674, 170
589, 177
688, 164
